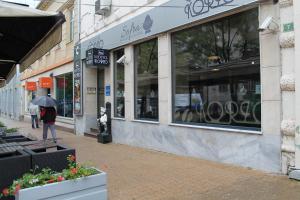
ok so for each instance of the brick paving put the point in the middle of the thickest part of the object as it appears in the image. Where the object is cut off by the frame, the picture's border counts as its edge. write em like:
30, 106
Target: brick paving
140, 174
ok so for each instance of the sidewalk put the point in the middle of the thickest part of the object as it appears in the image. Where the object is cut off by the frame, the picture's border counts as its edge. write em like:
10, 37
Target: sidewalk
139, 174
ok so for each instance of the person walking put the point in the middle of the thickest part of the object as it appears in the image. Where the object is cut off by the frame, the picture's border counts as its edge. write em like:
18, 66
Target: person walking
34, 111
48, 115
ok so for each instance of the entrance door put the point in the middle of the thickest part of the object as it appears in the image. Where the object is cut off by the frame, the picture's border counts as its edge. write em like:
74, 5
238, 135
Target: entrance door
100, 89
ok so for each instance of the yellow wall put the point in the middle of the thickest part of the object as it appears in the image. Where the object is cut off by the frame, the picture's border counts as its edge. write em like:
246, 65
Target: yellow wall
62, 52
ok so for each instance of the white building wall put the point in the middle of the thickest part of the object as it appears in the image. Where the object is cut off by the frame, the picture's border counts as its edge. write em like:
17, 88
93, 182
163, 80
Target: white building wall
260, 150
11, 98
67, 68
287, 87
297, 85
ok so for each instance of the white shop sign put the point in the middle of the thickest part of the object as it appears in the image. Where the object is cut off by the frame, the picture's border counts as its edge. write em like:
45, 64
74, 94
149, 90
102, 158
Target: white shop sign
155, 21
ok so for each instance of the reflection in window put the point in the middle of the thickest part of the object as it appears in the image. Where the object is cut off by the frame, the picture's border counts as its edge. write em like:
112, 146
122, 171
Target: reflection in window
217, 72
119, 85
64, 95
146, 80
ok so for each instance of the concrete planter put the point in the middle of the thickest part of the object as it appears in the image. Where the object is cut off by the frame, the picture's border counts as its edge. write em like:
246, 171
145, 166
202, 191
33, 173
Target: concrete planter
88, 188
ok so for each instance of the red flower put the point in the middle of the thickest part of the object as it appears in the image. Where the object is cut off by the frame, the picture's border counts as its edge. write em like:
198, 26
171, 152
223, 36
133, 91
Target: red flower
60, 178
74, 171
50, 181
72, 158
17, 188
5, 192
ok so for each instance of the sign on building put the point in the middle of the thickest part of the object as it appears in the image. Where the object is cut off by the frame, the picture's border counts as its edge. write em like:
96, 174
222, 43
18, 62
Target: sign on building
78, 110
97, 57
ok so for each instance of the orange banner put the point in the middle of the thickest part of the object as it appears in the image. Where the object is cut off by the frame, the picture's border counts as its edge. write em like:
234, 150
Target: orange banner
30, 86
45, 82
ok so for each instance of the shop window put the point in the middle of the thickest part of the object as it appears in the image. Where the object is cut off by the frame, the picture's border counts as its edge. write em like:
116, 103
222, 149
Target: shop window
119, 106
64, 95
146, 80
216, 73
30, 96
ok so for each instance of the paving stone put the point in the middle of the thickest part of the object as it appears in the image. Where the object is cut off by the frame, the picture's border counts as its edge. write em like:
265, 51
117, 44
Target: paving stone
141, 174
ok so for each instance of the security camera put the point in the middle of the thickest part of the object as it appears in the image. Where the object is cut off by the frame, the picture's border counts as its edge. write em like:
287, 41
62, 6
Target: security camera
268, 24
121, 60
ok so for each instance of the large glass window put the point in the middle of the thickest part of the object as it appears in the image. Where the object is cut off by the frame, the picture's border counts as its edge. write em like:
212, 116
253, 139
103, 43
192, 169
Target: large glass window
216, 69
119, 84
146, 80
64, 95
30, 96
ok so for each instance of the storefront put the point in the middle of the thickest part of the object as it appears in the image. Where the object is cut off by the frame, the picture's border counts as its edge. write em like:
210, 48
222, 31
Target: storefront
57, 83
193, 84
64, 95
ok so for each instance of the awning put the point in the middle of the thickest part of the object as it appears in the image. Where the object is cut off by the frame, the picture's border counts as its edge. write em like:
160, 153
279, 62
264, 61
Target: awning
23, 34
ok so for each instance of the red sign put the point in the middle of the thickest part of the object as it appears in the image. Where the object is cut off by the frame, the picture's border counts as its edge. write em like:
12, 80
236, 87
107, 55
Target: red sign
45, 82
30, 86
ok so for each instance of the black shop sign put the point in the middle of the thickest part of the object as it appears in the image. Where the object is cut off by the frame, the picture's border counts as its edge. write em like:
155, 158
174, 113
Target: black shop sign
97, 57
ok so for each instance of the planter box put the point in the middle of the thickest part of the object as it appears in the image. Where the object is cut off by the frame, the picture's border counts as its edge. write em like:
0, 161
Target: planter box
54, 158
11, 135
87, 188
13, 166
17, 139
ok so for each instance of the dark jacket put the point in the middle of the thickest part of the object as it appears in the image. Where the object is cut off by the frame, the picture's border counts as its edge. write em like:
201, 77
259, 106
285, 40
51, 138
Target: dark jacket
48, 115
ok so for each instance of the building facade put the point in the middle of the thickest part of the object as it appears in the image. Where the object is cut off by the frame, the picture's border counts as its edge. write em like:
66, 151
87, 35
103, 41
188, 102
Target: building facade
184, 77
52, 74
11, 95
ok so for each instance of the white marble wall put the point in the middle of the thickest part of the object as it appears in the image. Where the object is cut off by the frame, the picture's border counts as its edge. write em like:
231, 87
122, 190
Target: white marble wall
244, 149
287, 85
88, 120
248, 150
297, 80
259, 151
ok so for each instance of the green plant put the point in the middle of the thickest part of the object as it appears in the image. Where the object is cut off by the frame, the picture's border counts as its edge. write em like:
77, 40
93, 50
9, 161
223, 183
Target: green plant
47, 176
11, 130
2, 124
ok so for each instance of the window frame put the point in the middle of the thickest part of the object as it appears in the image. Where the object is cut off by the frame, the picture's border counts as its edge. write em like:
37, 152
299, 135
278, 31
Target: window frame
135, 82
173, 82
115, 71
64, 92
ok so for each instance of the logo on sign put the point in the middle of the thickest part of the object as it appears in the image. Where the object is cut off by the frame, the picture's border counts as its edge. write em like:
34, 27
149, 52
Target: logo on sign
136, 29
96, 44
148, 24
195, 8
95, 57
101, 57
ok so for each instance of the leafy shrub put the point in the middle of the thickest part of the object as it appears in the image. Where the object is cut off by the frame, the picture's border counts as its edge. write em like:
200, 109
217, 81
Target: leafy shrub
11, 130
47, 176
2, 124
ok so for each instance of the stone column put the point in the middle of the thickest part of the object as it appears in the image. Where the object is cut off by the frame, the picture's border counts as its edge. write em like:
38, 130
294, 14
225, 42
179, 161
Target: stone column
297, 80
129, 82
287, 85
164, 79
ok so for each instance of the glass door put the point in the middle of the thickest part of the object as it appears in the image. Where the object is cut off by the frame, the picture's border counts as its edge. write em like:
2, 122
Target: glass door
100, 89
